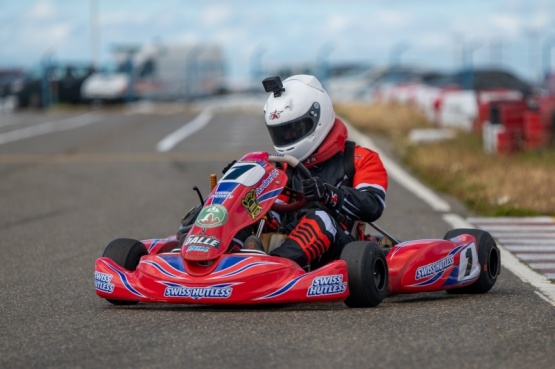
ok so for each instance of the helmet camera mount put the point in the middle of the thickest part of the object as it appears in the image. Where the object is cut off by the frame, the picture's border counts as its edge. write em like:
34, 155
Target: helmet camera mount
273, 84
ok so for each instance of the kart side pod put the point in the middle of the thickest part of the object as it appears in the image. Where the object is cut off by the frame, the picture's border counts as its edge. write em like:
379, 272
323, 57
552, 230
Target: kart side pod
466, 260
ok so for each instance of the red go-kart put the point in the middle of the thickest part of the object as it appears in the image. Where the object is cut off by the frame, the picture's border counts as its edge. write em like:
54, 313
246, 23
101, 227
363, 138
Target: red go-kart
203, 266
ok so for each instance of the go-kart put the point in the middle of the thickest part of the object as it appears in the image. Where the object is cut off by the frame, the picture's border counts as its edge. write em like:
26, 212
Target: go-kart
205, 266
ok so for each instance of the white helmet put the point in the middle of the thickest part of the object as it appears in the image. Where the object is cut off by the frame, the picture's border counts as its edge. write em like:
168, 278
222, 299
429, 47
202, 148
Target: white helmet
299, 116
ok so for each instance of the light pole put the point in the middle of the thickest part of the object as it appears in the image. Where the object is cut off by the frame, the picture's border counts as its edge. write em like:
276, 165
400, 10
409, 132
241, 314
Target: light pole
95, 39
469, 54
547, 49
396, 52
533, 57
322, 61
256, 64
496, 53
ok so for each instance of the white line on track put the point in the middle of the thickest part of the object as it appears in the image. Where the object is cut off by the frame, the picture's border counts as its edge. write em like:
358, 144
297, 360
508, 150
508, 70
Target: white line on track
524, 228
49, 127
545, 289
182, 133
529, 257
528, 248
515, 220
543, 265
524, 242
526, 235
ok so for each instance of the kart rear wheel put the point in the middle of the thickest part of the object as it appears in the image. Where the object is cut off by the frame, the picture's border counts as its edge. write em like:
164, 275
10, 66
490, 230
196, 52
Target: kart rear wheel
127, 253
367, 273
488, 256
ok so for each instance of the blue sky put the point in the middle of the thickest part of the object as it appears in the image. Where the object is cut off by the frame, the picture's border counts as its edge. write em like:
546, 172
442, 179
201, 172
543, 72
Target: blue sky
429, 33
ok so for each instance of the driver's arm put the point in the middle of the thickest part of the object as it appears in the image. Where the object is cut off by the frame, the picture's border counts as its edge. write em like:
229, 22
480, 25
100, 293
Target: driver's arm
366, 199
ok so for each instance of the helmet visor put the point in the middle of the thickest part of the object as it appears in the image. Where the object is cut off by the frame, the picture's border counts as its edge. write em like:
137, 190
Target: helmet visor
288, 133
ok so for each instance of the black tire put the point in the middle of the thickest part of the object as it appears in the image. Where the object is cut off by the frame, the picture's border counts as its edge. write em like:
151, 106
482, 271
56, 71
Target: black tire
489, 258
126, 253
367, 273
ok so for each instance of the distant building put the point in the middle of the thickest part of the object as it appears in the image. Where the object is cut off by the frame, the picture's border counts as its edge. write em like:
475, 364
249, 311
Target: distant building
178, 71
160, 72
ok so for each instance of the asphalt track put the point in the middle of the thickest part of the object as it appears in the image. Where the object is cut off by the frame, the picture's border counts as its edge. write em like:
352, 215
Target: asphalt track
65, 194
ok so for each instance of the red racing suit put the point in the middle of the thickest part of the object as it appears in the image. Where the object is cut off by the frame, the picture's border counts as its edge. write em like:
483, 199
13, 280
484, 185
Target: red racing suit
320, 230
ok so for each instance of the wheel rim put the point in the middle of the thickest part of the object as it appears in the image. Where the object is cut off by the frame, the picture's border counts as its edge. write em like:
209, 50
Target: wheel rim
493, 263
378, 273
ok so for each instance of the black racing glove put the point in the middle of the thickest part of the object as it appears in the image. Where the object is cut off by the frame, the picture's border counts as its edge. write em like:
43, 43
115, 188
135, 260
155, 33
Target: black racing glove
227, 167
314, 189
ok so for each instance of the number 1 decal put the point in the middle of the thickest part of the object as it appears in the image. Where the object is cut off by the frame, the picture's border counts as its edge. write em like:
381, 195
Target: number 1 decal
468, 263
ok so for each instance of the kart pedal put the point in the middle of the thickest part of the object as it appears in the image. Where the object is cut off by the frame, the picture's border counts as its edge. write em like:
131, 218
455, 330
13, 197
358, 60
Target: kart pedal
253, 243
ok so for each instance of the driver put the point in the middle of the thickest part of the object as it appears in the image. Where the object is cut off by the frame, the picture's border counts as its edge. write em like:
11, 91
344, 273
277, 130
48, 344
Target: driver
302, 123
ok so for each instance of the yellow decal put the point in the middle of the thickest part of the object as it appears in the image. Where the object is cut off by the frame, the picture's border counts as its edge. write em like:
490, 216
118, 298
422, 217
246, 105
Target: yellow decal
250, 202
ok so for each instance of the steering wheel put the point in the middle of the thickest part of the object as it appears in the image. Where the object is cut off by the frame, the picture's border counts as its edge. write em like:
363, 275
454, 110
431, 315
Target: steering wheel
300, 201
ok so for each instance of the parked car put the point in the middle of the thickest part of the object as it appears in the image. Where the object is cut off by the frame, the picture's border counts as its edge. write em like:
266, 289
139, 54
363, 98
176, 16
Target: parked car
109, 84
7, 77
63, 84
68, 82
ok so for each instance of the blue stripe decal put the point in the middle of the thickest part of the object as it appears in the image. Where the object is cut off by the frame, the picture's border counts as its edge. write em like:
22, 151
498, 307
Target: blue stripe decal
175, 261
154, 243
228, 262
269, 195
247, 267
284, 289
227, 186
125, 282
162, 270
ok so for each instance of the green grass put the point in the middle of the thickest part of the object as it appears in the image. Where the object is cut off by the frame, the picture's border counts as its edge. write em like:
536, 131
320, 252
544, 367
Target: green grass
518, 184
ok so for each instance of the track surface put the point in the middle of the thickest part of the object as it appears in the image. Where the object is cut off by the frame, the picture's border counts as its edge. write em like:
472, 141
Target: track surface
66, 194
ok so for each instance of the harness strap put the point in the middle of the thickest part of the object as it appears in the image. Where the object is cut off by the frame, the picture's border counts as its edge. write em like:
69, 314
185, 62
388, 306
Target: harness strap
349, 161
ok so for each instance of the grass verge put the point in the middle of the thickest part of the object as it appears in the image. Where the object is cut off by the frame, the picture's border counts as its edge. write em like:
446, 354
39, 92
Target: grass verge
519, 184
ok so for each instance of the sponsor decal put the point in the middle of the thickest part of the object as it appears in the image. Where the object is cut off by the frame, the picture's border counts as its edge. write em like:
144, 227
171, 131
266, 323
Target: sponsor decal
198, 248
327, 285
251, 204
275, 114
265, 183
223, 291
102, 282
221, 195
434, 268
202, 241
212, 216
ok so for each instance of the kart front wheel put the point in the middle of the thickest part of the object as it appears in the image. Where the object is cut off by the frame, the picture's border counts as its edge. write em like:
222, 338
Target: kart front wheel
126, 253
489, 258
367, 273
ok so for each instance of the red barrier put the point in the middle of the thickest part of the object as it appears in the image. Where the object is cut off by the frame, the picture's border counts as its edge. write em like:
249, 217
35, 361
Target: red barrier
535, 135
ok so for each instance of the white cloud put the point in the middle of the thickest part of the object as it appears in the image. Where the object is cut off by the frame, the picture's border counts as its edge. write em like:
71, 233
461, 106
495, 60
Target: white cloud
433, 40
391, 19
507, 24
124, 18
188, 38
48, 36
337, 23
216, 15
41, 10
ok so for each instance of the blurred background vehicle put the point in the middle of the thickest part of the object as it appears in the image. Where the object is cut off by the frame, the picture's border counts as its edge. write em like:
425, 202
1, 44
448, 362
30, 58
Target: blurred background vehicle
109, 84
37, 87
159, 72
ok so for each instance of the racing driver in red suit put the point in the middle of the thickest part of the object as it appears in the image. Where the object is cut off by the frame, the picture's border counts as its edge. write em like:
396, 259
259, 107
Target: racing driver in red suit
302, 123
